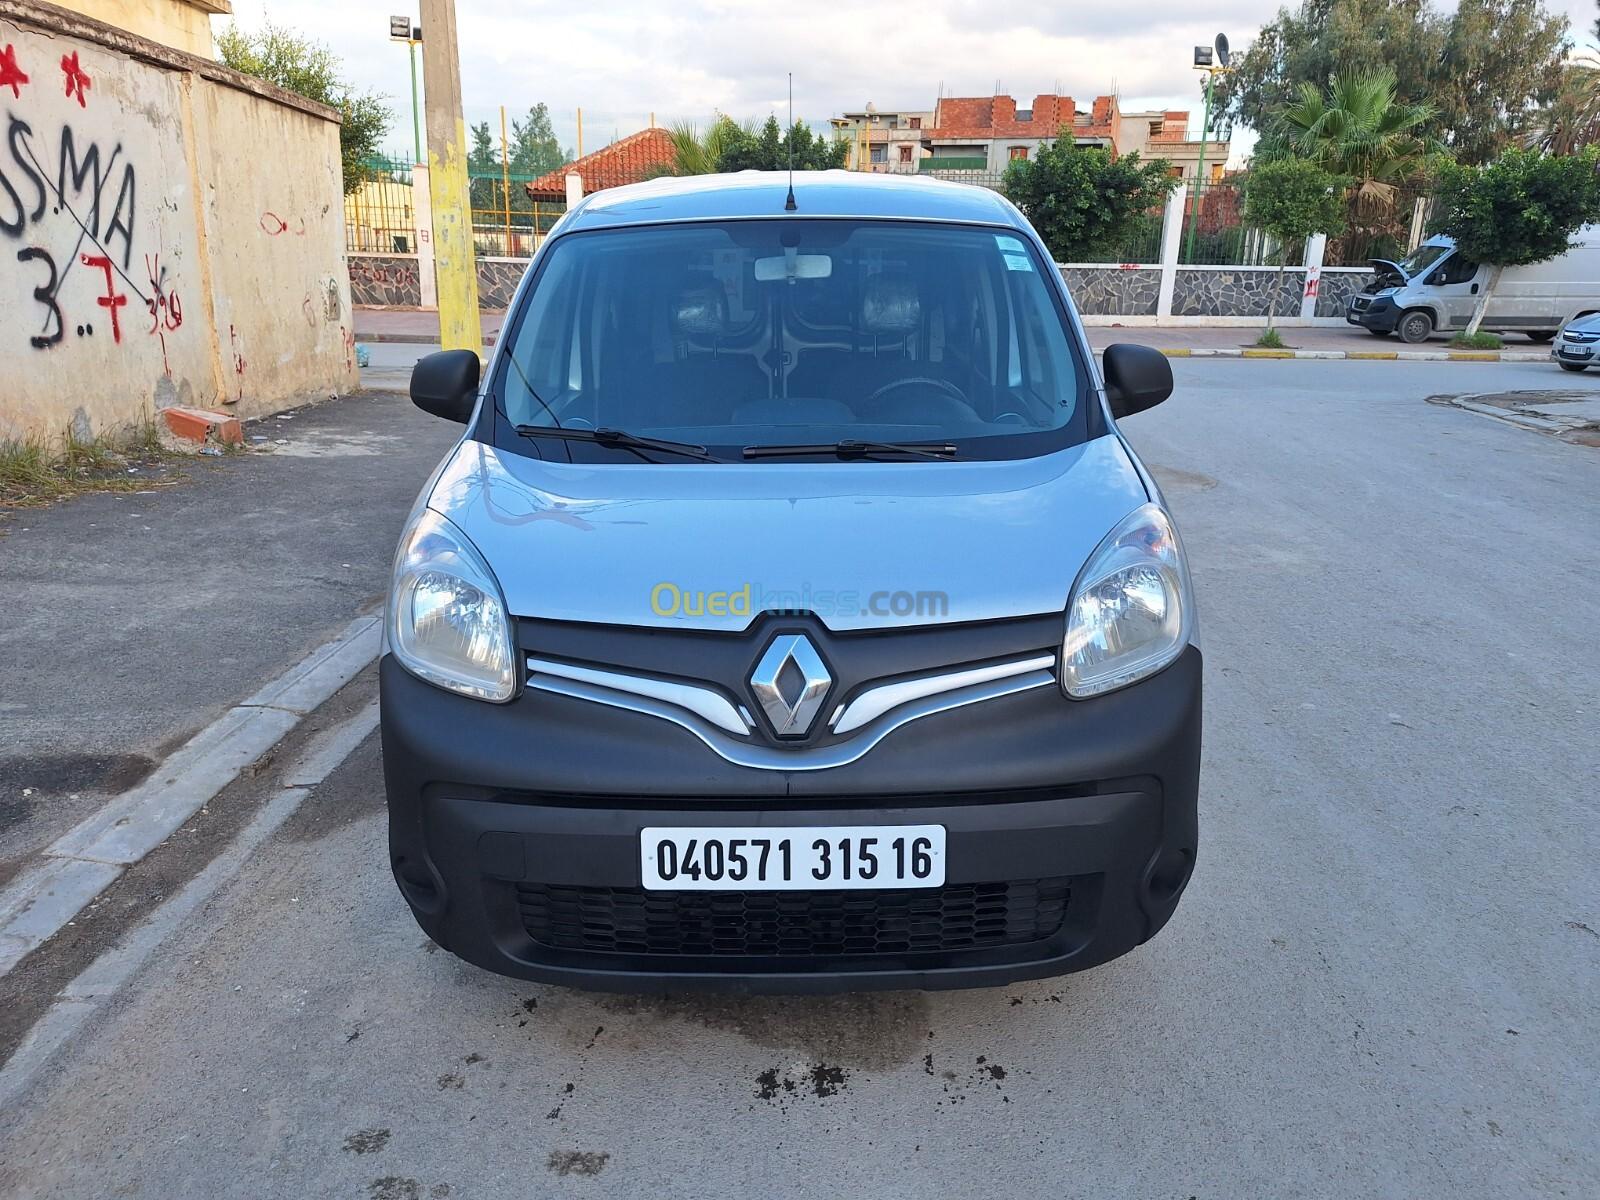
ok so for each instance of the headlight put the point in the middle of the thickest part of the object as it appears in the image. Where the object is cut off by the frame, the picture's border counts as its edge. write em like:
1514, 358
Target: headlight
447, 619
1131, 612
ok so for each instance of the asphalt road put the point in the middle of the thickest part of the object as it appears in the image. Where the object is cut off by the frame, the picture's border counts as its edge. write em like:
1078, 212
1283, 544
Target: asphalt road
1383, 980
133, 619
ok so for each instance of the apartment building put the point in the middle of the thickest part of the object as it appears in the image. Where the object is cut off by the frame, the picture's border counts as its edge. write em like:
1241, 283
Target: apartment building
981, 134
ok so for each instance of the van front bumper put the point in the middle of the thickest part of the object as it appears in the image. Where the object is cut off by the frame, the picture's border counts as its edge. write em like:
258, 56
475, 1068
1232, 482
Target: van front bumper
1071, 834
1380, 315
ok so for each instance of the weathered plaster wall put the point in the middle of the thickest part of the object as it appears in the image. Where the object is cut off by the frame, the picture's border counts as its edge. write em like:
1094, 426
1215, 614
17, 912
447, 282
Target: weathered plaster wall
176, 23
1114, 291
140, 264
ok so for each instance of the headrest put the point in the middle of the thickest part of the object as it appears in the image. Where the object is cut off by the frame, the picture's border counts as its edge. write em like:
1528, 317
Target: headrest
700, 312
889, 304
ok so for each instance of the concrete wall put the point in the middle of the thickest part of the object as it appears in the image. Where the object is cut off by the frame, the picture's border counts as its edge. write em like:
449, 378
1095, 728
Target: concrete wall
182, 24
171, 232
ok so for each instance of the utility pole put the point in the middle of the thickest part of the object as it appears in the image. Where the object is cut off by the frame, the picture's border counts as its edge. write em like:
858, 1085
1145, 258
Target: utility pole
448, 183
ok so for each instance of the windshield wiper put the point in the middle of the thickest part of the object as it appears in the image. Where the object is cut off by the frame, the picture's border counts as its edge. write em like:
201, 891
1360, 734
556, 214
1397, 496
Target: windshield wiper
855, 449
619, 438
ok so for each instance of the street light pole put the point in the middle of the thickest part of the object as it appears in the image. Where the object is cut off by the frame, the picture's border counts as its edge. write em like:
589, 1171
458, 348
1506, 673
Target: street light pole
449, 187
1200, 169
402, 30
1210, 59
416, 111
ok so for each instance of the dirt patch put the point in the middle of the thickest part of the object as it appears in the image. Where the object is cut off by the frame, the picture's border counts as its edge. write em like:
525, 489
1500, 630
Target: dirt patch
367, 1141
869, 1031
1172, 479
578, 1162
109, 773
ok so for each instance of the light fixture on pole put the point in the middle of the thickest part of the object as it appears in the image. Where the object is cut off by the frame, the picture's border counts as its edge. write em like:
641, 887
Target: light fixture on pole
1210, 59
402, 30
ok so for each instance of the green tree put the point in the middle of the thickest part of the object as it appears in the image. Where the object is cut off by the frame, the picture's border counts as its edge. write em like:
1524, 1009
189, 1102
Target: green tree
1291, 199
1361, 131
483, 167
298, 64
534, 148
769, 150
1083, 200
1522, 208
1487, 67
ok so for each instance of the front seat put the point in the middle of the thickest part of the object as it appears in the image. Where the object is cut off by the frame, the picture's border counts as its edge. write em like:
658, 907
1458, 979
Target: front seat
706, 381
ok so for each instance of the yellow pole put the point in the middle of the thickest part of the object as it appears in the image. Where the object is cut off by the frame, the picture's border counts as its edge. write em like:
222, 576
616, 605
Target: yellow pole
455, 266
580, 133
505, 175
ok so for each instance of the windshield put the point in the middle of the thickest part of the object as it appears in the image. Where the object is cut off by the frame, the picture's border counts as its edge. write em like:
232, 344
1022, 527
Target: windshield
1422, 258
792, 332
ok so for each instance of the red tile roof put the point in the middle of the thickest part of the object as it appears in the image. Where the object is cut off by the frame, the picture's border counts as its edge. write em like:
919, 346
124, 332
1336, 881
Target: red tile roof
629, 160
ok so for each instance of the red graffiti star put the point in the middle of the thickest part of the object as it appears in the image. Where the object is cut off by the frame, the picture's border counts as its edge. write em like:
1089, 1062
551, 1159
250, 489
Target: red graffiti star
11, 75
78, 83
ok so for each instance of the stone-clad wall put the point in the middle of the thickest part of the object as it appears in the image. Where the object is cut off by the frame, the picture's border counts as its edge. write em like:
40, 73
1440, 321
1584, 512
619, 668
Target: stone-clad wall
1235, 292
497, 281
385, 281
1337, 287
1114, 291
391, 281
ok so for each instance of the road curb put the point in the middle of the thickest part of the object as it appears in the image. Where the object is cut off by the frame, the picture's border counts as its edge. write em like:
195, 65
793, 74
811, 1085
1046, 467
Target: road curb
85, 860
1504, 356
90, 991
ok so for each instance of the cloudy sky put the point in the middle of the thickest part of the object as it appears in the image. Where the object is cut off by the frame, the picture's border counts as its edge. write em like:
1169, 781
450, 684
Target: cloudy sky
621, 60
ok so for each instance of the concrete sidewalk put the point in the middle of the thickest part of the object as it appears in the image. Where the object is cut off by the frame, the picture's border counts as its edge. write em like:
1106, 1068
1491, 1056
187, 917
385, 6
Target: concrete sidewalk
136, 619
384, 325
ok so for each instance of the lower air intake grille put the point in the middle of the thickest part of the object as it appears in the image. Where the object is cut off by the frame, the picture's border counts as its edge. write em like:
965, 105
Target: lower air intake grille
971, 916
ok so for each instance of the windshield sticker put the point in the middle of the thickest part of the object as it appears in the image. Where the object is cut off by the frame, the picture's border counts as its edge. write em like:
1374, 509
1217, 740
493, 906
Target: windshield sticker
1014, 252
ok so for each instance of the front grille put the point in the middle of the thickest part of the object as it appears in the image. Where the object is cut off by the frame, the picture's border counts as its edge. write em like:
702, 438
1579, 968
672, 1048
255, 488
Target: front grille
1571, 336
968, 916
1360, 303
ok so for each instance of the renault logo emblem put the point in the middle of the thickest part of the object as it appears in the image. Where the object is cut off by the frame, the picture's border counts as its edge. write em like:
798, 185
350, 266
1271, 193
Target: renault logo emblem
790, 683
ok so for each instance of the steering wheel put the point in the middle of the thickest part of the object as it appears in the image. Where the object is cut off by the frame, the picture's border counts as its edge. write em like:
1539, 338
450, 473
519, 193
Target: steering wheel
942, 385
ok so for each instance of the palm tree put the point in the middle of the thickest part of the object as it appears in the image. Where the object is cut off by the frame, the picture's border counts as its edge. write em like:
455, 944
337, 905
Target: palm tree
697, 153
1573, 119
1360, 131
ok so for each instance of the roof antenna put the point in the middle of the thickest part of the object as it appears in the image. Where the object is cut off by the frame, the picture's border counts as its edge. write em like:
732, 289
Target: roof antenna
789, 204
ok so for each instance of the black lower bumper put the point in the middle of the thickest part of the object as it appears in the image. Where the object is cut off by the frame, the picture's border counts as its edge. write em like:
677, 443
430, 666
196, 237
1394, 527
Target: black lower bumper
1071, 834
1382, 317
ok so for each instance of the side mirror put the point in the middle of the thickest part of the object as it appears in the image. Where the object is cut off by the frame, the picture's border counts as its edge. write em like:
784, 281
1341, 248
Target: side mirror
1137, 378
446, 384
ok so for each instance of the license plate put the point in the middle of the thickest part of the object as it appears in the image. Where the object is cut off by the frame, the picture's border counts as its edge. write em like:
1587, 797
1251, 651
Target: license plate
1576, 352
771, 859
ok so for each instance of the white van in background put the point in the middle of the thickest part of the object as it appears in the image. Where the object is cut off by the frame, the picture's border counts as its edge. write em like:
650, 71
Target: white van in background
1436, 290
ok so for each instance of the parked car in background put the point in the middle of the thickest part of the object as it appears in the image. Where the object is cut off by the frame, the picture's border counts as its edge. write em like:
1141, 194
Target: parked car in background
792, 615
1436, 289
1578, 344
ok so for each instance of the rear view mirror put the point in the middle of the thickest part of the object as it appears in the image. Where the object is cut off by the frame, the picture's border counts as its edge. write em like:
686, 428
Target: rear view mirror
446, 384
1137, 378
790, 265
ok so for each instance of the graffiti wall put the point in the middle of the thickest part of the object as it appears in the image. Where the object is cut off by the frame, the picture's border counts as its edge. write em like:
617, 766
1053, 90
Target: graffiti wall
138, 264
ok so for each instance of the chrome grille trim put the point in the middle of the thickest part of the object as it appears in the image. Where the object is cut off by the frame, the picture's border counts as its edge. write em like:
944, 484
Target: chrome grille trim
774, 758
871, 704
705, 703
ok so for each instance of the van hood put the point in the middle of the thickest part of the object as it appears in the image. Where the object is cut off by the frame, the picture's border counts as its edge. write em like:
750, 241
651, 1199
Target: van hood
641, 544
1382, 265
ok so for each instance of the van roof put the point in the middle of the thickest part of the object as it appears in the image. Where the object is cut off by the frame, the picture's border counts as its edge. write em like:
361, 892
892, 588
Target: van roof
817, 194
